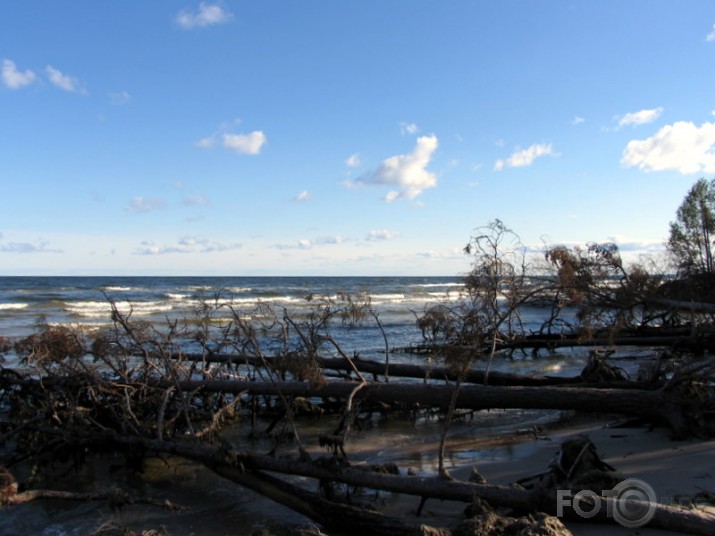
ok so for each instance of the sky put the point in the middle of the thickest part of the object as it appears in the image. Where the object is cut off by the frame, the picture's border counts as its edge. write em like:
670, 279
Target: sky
328, 137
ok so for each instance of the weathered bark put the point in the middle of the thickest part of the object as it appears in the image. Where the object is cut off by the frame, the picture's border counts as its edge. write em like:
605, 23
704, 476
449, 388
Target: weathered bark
674, 404
689, 341
398, 370
654, 404
235, 465
698, 307
695, 337
116, 498
342, 517
435, 487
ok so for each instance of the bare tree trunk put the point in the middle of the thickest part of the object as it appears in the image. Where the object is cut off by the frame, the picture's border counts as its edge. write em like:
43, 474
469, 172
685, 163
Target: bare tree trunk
246, 468
399, 370
631, 402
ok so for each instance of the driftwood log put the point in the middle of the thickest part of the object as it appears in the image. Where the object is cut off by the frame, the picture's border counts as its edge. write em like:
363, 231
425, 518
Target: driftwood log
249, 469
85, 407
664, 404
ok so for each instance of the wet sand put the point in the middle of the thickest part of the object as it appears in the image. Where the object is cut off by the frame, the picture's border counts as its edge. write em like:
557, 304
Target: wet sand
509, 453
675, 470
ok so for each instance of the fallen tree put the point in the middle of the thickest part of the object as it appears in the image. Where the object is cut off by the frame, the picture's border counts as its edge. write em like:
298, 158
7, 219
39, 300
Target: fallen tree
380, 369
73, 407
138, 390
249, 470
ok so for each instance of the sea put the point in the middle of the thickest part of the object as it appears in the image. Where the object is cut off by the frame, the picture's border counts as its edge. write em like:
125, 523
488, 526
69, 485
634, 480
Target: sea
26, 303
216, 506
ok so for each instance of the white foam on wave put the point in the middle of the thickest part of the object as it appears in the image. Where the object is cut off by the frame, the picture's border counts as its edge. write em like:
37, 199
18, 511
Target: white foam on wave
273, 300
200, 288
387, 298
118, 289
437, 285
13, 306
101, 308
449, 296
80, 326
240, 290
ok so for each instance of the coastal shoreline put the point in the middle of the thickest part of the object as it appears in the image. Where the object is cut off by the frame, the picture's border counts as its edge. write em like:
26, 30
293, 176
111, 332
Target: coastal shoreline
677, 470
674, 469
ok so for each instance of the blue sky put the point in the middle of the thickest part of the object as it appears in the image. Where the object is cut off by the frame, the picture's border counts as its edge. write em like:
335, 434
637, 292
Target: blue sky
343, 138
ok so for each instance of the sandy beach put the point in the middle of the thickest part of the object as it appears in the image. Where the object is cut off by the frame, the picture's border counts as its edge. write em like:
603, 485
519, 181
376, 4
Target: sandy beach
674, 469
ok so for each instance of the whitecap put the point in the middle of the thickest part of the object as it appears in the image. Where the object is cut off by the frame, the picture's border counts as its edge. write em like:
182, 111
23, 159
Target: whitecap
438, 285
118, 289
97, 308
13, 306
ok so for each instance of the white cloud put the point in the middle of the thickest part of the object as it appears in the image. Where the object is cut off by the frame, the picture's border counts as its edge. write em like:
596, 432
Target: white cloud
525, 157
353, 160
139, 204
186, 244
682, 147
27, 247
711, 35
149, 248
383, 234
329, 240
408, 128
204, 245
627, 246
577, 120
407, 171
198, 200
206, 143
63, 81
245, 143
302, 196
640, 118
306, 243
454, 253
206, 15
15, 79
119, 98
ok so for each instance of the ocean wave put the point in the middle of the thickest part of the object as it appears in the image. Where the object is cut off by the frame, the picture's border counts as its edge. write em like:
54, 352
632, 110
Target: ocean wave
118, 289
240, 290
79, 326
13, 306
388, 298
438, 285
101, 308
200, 288
443, 296
177, 297
253, 300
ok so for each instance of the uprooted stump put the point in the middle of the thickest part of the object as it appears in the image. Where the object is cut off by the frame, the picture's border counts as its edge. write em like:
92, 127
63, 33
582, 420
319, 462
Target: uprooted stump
8, 486
577, 465
539, 524
598, 369
483, 519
